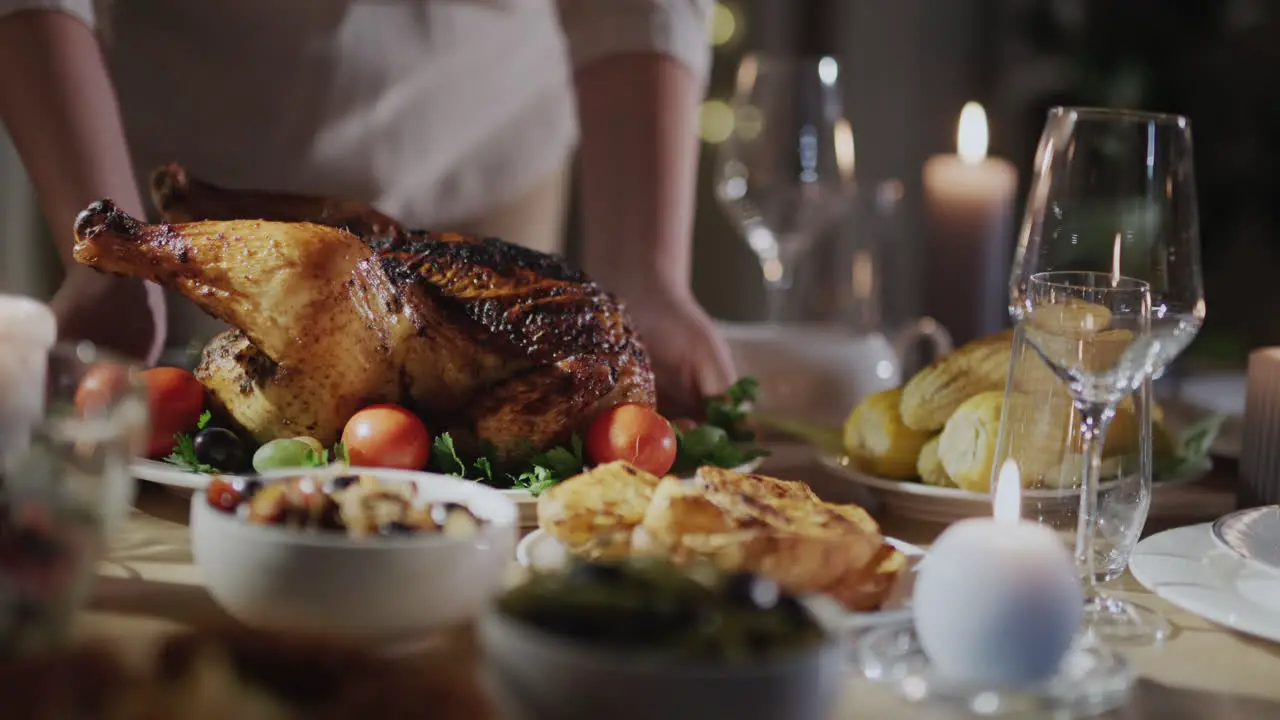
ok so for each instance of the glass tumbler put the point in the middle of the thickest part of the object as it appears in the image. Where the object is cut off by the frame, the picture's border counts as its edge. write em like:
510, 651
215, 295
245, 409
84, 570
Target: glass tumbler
1040, 431
64, 488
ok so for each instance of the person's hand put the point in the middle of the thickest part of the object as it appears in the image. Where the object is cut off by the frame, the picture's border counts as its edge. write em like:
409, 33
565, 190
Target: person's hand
121, 314
690, 357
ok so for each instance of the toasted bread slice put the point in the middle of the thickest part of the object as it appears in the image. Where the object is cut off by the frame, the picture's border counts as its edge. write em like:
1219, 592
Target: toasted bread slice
867, 590
593, 514
803, 544
716, 479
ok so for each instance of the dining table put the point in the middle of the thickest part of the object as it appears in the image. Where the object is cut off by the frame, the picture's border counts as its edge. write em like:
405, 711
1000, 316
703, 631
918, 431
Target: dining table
149, 587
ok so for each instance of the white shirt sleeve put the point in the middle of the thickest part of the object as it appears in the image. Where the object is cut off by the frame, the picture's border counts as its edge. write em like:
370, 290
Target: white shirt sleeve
82, 9
676, 28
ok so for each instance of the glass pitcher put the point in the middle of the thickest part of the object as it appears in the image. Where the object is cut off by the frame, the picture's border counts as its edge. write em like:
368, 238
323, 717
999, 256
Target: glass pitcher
815, 372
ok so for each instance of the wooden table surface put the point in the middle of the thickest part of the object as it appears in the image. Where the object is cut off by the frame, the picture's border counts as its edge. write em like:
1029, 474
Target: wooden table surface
149, 586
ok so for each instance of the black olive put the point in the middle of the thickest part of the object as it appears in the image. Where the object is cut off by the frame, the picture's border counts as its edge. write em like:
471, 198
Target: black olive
752, 591
330, 515
219, 448
342, 482
395, 528
248, 487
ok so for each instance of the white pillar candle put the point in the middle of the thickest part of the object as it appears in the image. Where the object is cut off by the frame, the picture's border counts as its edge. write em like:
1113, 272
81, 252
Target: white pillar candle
27, 330
997, 601
1260, 441
968, 201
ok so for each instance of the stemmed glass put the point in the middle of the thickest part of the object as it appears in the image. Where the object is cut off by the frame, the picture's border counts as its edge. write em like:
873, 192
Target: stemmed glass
1106, 286
785, 175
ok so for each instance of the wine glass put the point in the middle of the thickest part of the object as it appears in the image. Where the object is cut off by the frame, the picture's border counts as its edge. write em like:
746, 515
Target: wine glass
1106, 285
785, 174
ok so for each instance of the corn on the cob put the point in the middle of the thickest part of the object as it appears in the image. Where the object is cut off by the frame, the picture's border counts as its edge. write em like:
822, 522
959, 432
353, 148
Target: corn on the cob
1036, 433
967, 445
929, 465
878, 442
935, 392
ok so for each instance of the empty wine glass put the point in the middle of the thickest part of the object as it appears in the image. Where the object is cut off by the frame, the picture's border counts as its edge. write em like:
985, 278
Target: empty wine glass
1106, 285
785, 175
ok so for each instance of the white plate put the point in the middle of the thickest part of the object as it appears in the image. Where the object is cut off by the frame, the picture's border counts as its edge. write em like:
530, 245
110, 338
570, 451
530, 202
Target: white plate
540, 551
171, 475
1253, 534
912, 499
1186, 567
164, 473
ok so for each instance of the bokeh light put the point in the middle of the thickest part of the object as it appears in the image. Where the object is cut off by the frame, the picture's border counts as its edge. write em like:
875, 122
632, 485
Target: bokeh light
716, 121
723, 26
748, 122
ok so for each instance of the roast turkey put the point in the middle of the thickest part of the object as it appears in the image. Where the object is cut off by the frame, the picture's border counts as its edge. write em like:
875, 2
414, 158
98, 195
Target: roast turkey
506, 348
181, 198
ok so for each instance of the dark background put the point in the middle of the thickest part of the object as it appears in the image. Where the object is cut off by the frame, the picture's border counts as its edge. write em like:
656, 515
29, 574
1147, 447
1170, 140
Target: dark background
908, 66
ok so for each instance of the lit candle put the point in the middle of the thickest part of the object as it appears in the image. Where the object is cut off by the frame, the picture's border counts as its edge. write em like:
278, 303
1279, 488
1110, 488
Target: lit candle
27, 330
968, 200
998, 602
1260, 436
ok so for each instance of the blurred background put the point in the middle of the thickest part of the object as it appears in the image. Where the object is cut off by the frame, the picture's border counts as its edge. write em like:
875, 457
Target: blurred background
903, 71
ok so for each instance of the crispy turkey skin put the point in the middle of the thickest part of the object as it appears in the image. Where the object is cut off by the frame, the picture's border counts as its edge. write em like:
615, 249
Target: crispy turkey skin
504, 347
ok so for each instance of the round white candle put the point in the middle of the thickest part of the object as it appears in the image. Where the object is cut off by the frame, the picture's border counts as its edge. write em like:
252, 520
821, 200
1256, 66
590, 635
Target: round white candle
27, 330
968, 201
998, 602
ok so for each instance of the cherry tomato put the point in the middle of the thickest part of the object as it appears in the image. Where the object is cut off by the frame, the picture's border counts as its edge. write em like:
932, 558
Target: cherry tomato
634, 433
226, 494
101, 386
176, 400
387, 436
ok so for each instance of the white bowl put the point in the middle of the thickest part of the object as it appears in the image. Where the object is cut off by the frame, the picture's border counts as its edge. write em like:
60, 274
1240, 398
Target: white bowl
367, 589
535, 674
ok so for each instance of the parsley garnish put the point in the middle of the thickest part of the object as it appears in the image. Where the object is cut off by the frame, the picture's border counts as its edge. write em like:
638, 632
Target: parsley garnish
545, 469
548, 468
323, 458
729, 411
725, 439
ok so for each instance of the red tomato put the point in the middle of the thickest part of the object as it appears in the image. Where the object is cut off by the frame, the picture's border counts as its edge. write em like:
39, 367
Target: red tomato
387, 436
223, 494
175, 399
633, 433
101, 386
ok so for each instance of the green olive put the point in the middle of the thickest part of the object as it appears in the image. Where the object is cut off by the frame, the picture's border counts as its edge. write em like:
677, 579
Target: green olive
281, 453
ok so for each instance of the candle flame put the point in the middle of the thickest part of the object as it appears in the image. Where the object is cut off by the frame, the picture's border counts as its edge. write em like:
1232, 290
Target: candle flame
1007, 505
972, 135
